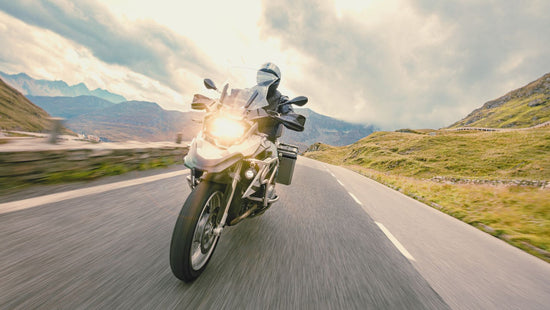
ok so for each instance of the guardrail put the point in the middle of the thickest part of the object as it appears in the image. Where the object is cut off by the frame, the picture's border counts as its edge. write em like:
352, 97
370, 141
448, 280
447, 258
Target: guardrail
47, 163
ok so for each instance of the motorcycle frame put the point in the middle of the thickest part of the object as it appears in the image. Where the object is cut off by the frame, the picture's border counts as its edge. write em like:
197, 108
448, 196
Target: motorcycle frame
265, 176
261, 178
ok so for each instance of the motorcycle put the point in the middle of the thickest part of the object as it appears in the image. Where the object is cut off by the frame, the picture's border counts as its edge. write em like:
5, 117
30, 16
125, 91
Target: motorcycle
234, 169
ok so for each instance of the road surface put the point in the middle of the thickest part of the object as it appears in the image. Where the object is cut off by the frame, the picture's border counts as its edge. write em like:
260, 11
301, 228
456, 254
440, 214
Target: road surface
335, 240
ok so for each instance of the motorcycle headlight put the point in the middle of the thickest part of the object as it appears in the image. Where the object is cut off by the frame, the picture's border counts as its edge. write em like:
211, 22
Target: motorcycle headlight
225, 129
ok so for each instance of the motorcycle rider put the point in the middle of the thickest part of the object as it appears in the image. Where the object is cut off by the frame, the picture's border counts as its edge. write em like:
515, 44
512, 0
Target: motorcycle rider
270, 73
241, 163
276, 100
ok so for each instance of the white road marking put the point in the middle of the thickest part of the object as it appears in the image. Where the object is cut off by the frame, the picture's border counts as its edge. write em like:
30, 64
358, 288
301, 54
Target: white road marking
395, 242
355, 198
42, 200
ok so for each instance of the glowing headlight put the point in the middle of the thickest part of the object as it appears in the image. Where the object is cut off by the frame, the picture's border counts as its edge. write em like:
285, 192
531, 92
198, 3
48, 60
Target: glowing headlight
226, 128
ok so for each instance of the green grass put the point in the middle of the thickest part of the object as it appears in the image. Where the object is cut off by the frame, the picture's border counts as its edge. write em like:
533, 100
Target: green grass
519, 215
466, 154
94, 172
104, 169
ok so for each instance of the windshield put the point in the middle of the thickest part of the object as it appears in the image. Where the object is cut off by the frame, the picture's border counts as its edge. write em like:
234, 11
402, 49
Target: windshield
251, 98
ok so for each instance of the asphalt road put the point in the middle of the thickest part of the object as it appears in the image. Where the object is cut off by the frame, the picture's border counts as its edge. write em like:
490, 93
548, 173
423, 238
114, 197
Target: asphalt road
317, 248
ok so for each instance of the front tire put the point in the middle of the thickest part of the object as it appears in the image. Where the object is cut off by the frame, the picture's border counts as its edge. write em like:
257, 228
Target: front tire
193, 240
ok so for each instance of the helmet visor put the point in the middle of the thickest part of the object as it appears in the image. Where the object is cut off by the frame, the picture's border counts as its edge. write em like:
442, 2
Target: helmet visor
265, 78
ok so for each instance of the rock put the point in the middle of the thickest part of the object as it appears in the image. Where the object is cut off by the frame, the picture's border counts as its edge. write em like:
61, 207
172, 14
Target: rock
486, 228
535, 103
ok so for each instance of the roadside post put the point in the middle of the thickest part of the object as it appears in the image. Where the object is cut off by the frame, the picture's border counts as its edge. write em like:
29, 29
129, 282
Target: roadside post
56, 126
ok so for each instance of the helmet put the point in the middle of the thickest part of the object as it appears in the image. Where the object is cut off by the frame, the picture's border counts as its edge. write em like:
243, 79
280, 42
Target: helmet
269, 74
272, 68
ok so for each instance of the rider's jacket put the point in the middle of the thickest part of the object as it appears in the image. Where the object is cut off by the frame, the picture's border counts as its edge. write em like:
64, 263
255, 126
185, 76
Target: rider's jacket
277, 103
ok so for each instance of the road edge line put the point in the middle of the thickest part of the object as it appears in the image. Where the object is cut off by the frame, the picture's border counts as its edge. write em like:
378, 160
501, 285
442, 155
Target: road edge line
46, 199
395, 242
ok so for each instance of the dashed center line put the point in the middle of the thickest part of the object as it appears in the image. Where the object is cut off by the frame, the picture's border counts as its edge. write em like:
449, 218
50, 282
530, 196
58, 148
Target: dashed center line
352, 195
42, 200
355, 198
395, 242
388, 234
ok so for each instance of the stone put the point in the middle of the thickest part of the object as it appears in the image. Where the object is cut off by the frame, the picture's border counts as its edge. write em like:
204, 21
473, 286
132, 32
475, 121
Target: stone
535, 103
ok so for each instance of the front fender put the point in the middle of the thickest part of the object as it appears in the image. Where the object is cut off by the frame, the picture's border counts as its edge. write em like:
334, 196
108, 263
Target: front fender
206, 156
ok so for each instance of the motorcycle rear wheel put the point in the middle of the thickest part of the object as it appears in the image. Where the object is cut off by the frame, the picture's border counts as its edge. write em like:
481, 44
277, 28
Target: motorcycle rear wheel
193, 240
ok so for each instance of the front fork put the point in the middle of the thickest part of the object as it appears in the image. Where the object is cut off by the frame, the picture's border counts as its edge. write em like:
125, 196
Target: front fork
236, 175
193, 179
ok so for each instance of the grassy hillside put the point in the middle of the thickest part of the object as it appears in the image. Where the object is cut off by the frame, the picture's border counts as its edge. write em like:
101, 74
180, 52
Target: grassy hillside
521, 108
18, 113
467, 154
471, 175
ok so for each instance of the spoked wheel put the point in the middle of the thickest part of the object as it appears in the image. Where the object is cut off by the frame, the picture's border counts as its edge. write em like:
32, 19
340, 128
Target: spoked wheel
193, 239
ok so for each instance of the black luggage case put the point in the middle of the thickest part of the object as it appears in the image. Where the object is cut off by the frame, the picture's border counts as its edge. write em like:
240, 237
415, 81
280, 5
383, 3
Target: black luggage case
287, 159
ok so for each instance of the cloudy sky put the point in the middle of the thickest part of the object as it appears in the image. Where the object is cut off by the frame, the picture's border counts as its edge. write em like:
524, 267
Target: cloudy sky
393, 63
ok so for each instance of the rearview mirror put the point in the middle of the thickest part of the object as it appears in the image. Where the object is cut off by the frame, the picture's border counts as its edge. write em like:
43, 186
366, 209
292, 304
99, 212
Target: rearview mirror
224, 92
299, 101
210, 84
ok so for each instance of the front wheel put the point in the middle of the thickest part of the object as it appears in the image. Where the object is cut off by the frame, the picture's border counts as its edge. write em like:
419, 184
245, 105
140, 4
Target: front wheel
193, 239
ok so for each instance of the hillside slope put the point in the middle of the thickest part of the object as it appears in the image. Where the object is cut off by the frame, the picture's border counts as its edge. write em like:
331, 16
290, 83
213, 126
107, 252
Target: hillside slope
524, 107
469, 154
18, 113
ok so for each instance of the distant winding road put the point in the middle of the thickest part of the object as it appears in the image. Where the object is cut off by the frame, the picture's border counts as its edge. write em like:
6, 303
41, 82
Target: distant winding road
335, 240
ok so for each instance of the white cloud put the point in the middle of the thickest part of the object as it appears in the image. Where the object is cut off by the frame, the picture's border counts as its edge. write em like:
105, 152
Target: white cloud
395, 63
417, 64
143, 46
45, 55
148, 46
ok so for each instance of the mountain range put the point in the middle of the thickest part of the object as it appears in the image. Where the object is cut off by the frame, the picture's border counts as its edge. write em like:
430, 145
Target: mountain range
323, 128
33, 87
129, 120
111, 117
147, 121
136, 120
